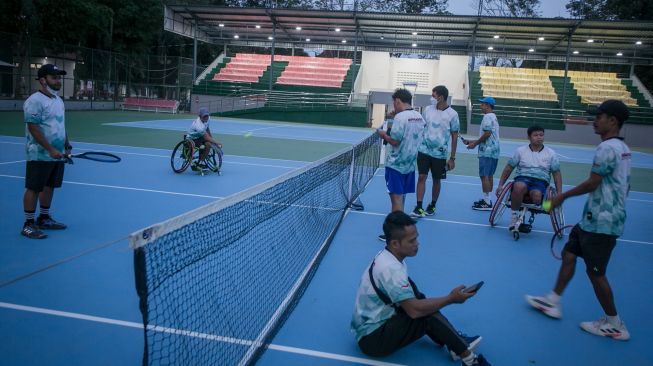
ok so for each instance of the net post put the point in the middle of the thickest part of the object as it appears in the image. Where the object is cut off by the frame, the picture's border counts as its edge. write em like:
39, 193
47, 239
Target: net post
351, 176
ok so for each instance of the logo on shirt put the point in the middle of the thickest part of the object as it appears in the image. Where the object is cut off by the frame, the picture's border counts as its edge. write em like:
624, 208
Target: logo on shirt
625, 156
406, 285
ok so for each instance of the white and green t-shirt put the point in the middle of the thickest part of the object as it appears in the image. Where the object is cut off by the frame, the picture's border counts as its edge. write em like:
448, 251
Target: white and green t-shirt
198, 129
391, 277
407, 128
48, 114
490, 147
440, 124
535, 164
605, 209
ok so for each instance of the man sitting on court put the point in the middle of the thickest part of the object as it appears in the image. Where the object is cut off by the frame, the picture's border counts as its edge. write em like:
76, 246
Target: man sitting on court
391, 313
200, 133
535, 164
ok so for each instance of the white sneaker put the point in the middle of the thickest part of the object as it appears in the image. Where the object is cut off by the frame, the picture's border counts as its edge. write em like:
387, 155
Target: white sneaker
603, 328
473, 342
514, 223
542, 304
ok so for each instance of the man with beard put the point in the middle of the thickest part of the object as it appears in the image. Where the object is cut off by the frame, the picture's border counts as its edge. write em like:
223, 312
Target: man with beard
46, 146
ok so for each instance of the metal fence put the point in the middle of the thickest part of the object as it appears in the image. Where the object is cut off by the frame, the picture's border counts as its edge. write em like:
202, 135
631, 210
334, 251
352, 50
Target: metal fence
92, 75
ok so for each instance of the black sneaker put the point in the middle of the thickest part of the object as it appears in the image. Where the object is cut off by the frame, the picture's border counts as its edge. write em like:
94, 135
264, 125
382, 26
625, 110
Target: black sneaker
418, 212
48, 223
382, 237
483, 206
430, 210
32, 231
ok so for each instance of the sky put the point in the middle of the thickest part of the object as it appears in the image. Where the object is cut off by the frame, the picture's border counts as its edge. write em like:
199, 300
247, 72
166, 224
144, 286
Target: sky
548, 8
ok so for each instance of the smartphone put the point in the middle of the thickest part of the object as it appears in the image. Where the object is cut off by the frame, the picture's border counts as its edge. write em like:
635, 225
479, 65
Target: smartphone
474, 287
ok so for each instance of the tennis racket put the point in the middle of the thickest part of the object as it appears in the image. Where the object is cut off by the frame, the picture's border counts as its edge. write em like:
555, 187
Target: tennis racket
100, 156
559, 236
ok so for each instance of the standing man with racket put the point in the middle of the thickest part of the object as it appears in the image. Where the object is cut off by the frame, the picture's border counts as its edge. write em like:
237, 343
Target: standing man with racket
604, 215
46, 146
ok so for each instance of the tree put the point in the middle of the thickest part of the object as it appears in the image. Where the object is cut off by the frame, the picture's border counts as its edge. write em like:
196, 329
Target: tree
611, 9
511, 8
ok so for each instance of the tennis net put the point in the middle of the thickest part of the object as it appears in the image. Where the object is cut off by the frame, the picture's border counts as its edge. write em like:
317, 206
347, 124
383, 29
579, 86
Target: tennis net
216, 283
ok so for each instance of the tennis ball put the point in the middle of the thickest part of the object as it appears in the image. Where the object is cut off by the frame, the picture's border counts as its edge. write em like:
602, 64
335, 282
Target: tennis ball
248, 134
546, 205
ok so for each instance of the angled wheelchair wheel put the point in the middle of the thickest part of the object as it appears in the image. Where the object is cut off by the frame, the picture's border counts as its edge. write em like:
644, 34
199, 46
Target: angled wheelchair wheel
557, 216
503, 201
182, 155
214, 159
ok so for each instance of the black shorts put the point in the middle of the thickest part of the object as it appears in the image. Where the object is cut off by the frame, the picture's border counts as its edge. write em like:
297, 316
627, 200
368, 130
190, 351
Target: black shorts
39, 174
594, 248
438, 167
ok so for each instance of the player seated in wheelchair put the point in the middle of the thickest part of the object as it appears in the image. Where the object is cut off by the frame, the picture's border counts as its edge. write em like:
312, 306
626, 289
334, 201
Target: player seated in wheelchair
200, 133
534, 164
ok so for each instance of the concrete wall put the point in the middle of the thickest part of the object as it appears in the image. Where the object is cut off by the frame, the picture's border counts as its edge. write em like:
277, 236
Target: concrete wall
17, 105
375, 66
635, 135
452, 73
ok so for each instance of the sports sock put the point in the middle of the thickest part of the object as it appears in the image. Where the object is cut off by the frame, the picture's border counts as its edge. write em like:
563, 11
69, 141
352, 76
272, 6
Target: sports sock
614, 320
469, 360
419, 204
29, 216
553, 297
45, 212
515, 212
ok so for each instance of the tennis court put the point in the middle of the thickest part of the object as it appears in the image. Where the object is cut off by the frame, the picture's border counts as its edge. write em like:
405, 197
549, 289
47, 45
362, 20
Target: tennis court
71, 299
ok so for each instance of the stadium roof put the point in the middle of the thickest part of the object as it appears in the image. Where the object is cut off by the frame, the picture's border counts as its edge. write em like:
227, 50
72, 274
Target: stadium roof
416, 33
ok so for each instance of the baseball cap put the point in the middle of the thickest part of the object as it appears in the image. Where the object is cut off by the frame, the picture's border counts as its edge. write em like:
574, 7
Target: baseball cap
488, 100
49, 69
203, 112
611, 107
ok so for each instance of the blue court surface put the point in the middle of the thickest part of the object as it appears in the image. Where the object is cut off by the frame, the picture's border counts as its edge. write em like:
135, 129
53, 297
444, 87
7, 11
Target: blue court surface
71, 300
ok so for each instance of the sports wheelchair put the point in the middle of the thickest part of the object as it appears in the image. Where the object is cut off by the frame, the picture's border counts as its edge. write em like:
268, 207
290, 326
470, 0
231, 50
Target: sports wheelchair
503, 202
186, 154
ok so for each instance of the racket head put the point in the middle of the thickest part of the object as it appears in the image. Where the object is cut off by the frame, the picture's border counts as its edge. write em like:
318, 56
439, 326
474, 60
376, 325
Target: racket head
559, 236
100, 156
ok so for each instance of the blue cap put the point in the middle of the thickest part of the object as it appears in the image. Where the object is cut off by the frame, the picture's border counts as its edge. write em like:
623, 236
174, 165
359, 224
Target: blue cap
488, 100
203, 112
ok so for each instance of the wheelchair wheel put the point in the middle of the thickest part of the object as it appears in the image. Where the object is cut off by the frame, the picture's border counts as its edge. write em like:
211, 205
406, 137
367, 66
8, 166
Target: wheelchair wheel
214, 159
557, 216
182, 155
503, 201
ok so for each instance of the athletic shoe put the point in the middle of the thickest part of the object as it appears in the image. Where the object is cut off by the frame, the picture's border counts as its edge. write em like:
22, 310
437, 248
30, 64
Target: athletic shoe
48, 223
418, 212
514, 222
542, 304
482, 206
472, 342
32, 231
603, 328
430, 210
479, 360
382, 237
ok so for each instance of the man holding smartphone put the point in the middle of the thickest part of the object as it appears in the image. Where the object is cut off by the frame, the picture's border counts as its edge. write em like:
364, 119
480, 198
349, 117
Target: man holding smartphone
391, 313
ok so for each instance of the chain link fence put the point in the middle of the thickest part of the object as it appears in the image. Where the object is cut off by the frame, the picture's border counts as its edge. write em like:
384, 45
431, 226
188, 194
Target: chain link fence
98, 79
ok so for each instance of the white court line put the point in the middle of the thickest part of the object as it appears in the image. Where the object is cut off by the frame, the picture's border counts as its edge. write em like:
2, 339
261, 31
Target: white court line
566, 157
487, 225
12, 162
126, 188
212, 337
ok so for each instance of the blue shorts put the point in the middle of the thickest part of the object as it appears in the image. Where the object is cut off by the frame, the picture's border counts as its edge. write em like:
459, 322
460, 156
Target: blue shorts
398, 183
487, 166
533, 184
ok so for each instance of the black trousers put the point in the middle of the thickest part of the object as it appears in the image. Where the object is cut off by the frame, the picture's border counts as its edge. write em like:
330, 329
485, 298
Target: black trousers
401, 330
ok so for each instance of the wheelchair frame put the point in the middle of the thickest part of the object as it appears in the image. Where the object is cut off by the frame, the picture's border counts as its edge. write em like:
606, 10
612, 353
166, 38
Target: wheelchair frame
503, 201
186, 153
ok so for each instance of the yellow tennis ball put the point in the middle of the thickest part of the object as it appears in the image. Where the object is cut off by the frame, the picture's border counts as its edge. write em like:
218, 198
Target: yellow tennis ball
546, 205
248, 134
